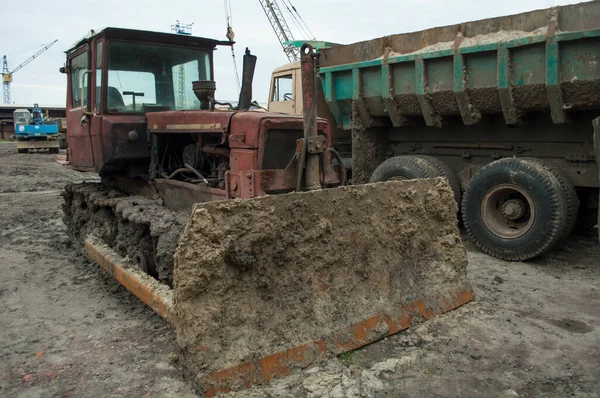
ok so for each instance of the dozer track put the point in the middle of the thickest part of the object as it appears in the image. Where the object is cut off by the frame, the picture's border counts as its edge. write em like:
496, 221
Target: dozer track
135, 227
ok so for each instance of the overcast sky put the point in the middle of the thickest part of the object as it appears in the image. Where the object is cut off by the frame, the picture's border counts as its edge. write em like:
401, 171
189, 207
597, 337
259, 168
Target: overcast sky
31, 24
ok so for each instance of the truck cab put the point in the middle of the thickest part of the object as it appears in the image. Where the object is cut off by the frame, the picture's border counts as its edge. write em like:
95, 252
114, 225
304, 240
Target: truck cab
285, 96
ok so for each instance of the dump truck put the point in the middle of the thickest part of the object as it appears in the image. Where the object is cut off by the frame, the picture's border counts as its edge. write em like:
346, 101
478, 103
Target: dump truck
485, 104
32, 131
236, 225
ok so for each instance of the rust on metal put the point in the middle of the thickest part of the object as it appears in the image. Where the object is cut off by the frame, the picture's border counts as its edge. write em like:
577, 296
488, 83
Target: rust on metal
309, 65
350, 338
154, 294
212, 150
178, 195
186, 121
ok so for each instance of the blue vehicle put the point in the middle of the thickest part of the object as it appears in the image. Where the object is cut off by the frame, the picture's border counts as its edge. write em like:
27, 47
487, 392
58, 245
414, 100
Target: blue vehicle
33, 132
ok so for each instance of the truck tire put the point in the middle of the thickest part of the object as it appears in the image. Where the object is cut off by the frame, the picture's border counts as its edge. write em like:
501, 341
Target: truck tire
410, 167
514, 209
569, 194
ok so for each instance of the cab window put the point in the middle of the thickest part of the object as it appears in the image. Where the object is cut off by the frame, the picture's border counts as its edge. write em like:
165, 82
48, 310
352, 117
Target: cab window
147, 77
79, 65
98, 74
282, 88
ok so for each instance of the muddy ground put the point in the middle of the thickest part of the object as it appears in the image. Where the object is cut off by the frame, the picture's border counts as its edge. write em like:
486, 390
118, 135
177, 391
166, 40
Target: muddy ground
68, 330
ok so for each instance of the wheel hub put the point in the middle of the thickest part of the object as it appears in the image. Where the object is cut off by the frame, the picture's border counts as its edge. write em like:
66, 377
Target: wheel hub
513, 209
508, 211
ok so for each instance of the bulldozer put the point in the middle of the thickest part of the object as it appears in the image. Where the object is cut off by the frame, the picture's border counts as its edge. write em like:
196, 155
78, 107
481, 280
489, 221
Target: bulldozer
236, 225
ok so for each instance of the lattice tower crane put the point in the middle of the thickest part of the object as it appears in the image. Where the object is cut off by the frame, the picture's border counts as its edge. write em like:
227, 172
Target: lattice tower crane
7, 75
181, 29
281, 28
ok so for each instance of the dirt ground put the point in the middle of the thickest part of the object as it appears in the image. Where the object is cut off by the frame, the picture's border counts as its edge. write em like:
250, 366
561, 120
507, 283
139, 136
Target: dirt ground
69, 330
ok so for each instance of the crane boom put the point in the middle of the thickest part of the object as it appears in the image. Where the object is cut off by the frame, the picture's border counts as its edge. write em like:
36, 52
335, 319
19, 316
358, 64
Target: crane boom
7, 76
281, 28
34, 56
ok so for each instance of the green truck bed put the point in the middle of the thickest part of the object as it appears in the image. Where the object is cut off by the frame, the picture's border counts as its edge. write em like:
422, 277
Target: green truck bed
540, 60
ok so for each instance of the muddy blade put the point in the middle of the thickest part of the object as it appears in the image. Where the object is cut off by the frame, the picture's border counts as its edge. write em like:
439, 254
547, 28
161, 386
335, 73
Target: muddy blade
267, 284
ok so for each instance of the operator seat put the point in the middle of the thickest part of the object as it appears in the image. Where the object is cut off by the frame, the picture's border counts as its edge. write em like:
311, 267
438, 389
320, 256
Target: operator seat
115, 99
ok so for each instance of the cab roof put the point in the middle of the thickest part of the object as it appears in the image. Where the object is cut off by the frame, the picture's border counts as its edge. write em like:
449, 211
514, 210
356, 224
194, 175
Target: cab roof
151, 37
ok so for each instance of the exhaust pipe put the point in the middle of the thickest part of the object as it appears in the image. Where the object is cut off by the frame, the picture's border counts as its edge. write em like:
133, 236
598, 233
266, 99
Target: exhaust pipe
247, 77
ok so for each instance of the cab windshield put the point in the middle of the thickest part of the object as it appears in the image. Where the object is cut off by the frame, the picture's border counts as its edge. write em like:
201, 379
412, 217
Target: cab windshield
143, 77
22, 117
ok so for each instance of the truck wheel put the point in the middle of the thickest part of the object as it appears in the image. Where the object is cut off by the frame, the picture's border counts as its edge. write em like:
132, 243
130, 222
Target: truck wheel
22, 150
410, 167
569, 194
514, 209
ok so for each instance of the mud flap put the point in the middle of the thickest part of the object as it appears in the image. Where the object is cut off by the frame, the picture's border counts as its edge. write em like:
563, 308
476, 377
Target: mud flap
264, 285
596, 123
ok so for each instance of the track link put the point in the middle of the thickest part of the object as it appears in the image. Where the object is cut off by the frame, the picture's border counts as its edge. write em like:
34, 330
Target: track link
133, 226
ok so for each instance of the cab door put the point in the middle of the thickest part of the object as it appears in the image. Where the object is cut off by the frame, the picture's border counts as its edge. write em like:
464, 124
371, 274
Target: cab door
80, 153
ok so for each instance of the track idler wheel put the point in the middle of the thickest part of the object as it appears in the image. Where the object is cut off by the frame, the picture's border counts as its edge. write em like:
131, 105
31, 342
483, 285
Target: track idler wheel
140, 259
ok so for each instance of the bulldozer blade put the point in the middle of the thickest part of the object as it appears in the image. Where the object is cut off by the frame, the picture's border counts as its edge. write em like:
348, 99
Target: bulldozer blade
265, 285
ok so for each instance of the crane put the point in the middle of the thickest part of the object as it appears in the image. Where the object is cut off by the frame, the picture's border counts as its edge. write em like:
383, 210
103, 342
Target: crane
281, 28
7, 76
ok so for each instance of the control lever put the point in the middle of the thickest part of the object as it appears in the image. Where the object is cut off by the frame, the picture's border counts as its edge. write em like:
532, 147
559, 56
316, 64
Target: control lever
133, 95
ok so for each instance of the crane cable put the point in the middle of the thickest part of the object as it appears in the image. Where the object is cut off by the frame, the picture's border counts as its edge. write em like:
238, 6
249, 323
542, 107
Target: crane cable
26, 50
299, 21
230, 35
295, 21
302, 19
